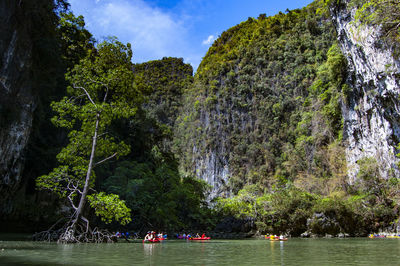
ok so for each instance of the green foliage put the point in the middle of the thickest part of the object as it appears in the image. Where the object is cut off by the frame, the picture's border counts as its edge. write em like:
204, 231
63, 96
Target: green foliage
163, 82
76, 41
380, 13
102, 90
245, 205
369, 180
158, 196
322, 124
56, 180
283, 211
294, 211
110, 207
266, 100
148, 179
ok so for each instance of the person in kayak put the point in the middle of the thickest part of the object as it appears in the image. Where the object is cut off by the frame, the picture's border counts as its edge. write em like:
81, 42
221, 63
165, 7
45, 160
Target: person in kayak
197, 235
148, 236
203, 235
151, 235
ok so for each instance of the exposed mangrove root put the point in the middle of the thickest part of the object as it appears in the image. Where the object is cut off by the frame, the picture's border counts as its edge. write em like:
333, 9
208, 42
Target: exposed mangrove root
74, 232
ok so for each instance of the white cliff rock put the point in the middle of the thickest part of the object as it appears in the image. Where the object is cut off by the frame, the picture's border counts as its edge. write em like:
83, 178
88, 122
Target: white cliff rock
371, 118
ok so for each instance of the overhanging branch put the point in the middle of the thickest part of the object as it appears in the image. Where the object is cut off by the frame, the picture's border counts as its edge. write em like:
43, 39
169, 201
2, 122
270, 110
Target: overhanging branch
106, 159
87, 94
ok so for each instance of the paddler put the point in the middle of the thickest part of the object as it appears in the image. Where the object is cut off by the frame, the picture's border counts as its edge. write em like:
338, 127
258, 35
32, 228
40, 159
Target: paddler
148, 236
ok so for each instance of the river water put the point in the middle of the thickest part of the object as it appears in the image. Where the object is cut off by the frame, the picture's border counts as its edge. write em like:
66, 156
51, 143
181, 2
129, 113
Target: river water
350, 251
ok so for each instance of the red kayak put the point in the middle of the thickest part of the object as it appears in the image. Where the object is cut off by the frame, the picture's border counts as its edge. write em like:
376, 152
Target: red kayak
200, 238
151, 240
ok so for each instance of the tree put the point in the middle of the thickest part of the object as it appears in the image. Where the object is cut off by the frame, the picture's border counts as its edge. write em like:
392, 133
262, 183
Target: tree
75, 40
102, 90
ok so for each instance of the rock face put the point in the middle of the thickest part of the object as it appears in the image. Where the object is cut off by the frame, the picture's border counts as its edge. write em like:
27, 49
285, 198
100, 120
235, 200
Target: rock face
213, 165
240, 114
16, 97
371, 118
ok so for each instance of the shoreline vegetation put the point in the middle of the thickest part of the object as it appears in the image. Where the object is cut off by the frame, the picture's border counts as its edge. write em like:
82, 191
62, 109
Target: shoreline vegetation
118, 145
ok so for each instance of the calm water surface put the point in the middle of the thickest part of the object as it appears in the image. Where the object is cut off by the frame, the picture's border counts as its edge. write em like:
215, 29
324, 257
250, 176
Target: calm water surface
353, 251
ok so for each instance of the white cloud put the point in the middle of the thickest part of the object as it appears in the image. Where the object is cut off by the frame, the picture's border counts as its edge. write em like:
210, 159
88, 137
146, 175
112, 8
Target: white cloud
209, 40
152, 32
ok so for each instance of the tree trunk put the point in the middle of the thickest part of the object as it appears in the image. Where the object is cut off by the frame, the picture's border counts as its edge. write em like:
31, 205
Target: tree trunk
82, 201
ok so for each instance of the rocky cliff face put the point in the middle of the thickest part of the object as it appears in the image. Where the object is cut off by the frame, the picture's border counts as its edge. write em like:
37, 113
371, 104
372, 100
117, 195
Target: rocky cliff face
371, 118
238, 126
16, 97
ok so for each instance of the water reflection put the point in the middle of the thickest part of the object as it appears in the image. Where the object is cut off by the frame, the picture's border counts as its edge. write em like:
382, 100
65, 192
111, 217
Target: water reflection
148, 248
218, 252
277, 256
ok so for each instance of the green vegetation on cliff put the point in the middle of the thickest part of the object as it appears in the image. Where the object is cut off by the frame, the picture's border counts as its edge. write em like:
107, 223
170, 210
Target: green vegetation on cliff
252, 102
163, 83
267, 103
380, 13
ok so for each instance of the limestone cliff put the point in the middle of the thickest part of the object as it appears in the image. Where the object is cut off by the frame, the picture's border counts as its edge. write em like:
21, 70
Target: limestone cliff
16, 96
238, 124
371, 117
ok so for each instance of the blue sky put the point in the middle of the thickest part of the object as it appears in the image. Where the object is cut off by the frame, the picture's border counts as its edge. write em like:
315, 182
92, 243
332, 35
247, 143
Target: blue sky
179, 28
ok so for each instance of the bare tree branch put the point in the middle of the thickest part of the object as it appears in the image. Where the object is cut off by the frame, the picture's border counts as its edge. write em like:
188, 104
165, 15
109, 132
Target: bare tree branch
75, 97
87, 94
105, 96
108, 158
103, 84
71, 201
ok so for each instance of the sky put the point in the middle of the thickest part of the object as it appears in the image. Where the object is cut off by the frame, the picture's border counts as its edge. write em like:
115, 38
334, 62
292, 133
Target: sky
177, 28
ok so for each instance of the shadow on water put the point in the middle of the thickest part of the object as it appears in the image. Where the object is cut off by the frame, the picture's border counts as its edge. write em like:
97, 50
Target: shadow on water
15, 237
11, 261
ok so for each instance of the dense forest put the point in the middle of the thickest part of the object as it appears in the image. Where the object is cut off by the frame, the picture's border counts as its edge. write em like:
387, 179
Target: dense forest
256, 141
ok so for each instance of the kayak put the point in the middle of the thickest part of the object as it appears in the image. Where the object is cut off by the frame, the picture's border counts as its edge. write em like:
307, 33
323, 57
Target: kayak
151, 240
284, 239
200, 238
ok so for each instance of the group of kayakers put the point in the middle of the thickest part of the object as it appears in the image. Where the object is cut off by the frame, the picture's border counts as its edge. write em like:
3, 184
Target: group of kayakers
275, 237
190, 236
151, 235
383, 236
